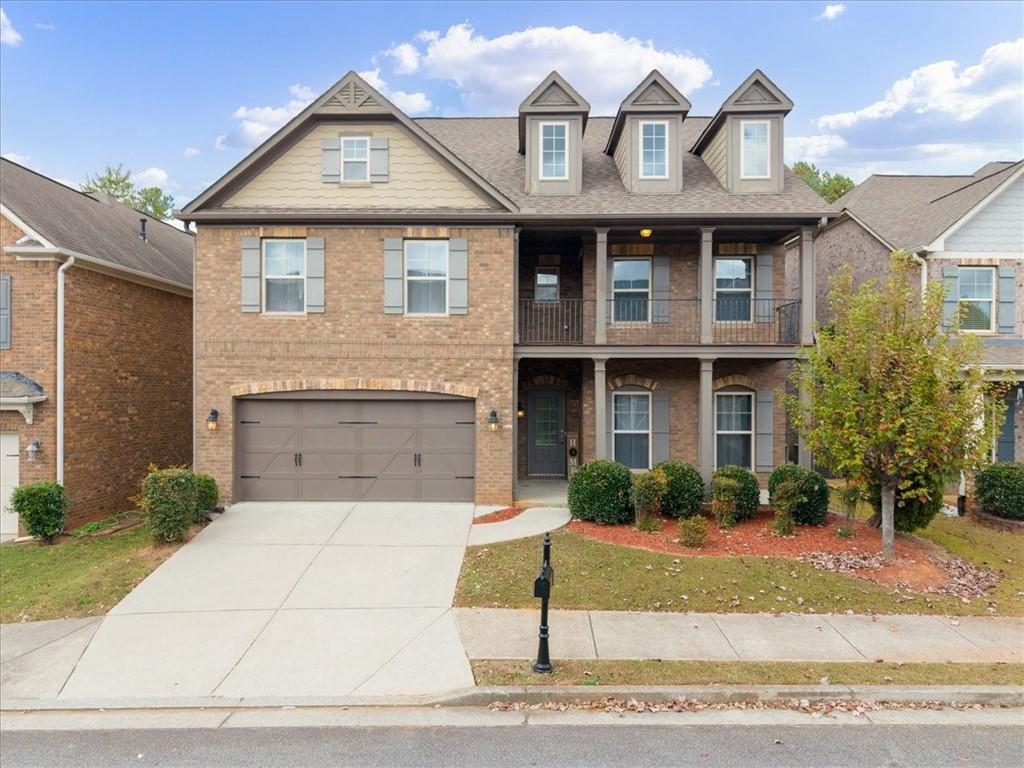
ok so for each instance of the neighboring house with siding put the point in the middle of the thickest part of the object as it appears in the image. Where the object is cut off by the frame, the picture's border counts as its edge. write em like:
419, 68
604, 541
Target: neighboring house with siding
966, 232
440, 308
95, 344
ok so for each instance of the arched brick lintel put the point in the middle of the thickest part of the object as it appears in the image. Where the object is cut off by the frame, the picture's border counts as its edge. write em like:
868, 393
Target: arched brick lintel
356, 383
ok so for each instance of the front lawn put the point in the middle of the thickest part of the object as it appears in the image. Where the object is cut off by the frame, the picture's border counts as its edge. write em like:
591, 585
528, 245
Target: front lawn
601, 576
77, 577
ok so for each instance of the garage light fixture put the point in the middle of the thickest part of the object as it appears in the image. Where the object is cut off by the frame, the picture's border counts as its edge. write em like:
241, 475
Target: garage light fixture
211, 419
492, 421
31, 451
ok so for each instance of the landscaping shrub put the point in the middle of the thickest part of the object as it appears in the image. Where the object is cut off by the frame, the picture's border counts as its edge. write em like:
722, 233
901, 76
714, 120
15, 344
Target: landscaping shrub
789, 496
169, 500
693, 531
43, 508
684, 494
599, 491
1000, 489
724, 491
910, 514
813, 509
207, 495
647, 494
747, 495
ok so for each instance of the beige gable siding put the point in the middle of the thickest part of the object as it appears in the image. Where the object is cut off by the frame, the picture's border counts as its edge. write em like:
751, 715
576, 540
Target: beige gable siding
416, 178
716, 156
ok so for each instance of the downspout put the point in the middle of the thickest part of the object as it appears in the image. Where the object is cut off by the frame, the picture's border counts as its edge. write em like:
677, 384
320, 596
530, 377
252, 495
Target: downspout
60, 367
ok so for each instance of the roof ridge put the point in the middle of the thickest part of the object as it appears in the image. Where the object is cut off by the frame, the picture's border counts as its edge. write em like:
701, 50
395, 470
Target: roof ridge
976, 181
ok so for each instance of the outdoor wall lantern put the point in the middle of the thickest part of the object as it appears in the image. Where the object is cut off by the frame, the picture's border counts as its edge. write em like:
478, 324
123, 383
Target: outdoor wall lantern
646, 232
211, 419
520, 411
31, 451
492, 421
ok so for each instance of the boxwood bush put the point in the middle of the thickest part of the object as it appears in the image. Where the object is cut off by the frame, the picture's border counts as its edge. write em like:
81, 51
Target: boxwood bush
684, 493
43, 508
812, 508
748, 494
169, 499
207, 495
1000, 490
599, 491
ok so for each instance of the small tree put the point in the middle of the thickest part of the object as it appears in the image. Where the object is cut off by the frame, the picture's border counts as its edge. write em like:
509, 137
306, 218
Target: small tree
891, 399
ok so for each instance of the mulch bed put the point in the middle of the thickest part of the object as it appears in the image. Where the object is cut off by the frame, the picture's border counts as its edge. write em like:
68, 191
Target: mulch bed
498, 517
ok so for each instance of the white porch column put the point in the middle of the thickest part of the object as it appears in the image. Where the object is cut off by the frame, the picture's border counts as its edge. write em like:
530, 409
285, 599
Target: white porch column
515, 284
601, 286
807, 295
514, 410
600, 416
706, 271
804, 456
706, 420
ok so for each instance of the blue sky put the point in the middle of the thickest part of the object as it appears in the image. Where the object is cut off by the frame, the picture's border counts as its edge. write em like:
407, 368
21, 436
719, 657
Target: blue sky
179, 92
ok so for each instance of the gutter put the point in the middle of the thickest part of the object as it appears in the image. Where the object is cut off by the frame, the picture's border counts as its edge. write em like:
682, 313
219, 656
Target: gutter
60, 367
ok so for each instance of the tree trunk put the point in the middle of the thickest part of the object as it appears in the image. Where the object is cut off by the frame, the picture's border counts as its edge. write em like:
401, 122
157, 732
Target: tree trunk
888, 519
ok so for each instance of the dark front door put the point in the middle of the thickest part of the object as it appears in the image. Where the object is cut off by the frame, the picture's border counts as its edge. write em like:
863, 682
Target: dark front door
545, 432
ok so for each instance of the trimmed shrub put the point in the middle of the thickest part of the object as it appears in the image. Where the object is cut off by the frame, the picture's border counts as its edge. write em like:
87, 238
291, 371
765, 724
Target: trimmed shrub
646, 496
693, 531
207, 494
599, 491
684, 494
724, 491
1000, 489
747, 496
43, 508
813, 508
169, 500
910, 514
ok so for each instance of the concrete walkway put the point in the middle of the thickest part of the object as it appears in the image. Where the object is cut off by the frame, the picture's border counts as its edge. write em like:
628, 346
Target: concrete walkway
530, 522
492, 633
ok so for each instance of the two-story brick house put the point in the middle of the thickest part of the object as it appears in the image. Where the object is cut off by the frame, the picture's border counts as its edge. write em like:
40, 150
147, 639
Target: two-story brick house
393, 308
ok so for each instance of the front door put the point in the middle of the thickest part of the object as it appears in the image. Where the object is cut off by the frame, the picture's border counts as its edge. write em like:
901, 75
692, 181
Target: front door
545, 432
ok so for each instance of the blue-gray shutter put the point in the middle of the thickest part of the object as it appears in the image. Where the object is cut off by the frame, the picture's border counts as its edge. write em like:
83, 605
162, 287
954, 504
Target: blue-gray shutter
250, 274
458, 276
5, 312
764, 429
314, 274
764, 283
609, 425
660, 425
1007, 297
330, 149
659, 290
394, 283
378, 159
951, 297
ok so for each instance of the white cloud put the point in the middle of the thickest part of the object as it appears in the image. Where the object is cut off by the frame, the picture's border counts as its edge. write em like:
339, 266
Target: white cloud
407, 58
8, 34
191, 151
413, 103
257, 123
14, 157
832, 11
151, 177
494, 74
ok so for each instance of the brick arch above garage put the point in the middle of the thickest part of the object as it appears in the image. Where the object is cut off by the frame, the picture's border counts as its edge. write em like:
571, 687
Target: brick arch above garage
354, 383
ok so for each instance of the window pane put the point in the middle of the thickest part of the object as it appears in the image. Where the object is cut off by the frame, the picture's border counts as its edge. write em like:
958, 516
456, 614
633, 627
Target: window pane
285, 296
355, 170
632, 274
632, 450
427, 297
730, 307
755, 149
733, 449
732, 273
977, 315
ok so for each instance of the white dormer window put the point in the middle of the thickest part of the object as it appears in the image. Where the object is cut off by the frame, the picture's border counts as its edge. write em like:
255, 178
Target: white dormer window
554, 151
654, 150
755, 152
355, 158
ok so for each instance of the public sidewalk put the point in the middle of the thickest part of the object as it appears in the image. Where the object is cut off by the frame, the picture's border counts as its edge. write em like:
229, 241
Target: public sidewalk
494, 633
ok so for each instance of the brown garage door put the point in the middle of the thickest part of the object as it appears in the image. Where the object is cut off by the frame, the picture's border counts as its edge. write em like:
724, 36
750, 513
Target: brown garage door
355, 450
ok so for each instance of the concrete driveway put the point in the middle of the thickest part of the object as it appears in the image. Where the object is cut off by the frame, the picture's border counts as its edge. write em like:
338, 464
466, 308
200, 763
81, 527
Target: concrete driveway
292, 599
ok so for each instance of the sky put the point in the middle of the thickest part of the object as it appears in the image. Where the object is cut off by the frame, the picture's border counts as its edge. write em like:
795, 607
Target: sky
180, 92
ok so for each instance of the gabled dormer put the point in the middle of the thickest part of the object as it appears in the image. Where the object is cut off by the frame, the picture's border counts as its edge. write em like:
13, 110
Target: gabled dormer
645, 137
742, 145
552, 120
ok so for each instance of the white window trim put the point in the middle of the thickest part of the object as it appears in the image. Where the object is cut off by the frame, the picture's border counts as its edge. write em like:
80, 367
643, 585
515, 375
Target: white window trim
406, 279
649, 431
650, 288
752, 289
540, 150
640, 135
992, 301
753, 424
768, 148
367, 161
264, 277
558, 285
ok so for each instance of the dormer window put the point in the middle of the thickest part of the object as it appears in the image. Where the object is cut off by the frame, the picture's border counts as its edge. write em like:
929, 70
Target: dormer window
653, 149
554, 151
355, 158
754, 149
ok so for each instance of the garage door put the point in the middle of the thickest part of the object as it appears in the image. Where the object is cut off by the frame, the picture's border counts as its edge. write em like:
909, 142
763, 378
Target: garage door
355, 450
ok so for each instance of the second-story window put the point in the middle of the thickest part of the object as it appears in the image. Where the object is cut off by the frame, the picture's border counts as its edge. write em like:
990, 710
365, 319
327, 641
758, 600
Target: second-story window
284, 276
977, 298
754, 149
426, 277
554, 150
654, 150
734, 288
355, 158
631, 290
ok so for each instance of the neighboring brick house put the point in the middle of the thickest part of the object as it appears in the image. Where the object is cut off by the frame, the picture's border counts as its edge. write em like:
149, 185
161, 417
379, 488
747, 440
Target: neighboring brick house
967, 232
393, 308
123, 398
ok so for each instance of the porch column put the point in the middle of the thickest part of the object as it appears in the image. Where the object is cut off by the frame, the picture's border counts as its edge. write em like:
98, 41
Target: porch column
515, 284
807, 295
514, 410
601, 286
706, 420
600, 416
804, 456
707, 286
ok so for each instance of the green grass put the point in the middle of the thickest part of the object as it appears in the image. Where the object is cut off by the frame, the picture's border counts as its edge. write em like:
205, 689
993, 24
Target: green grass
77, 577
600, 576
608, 672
